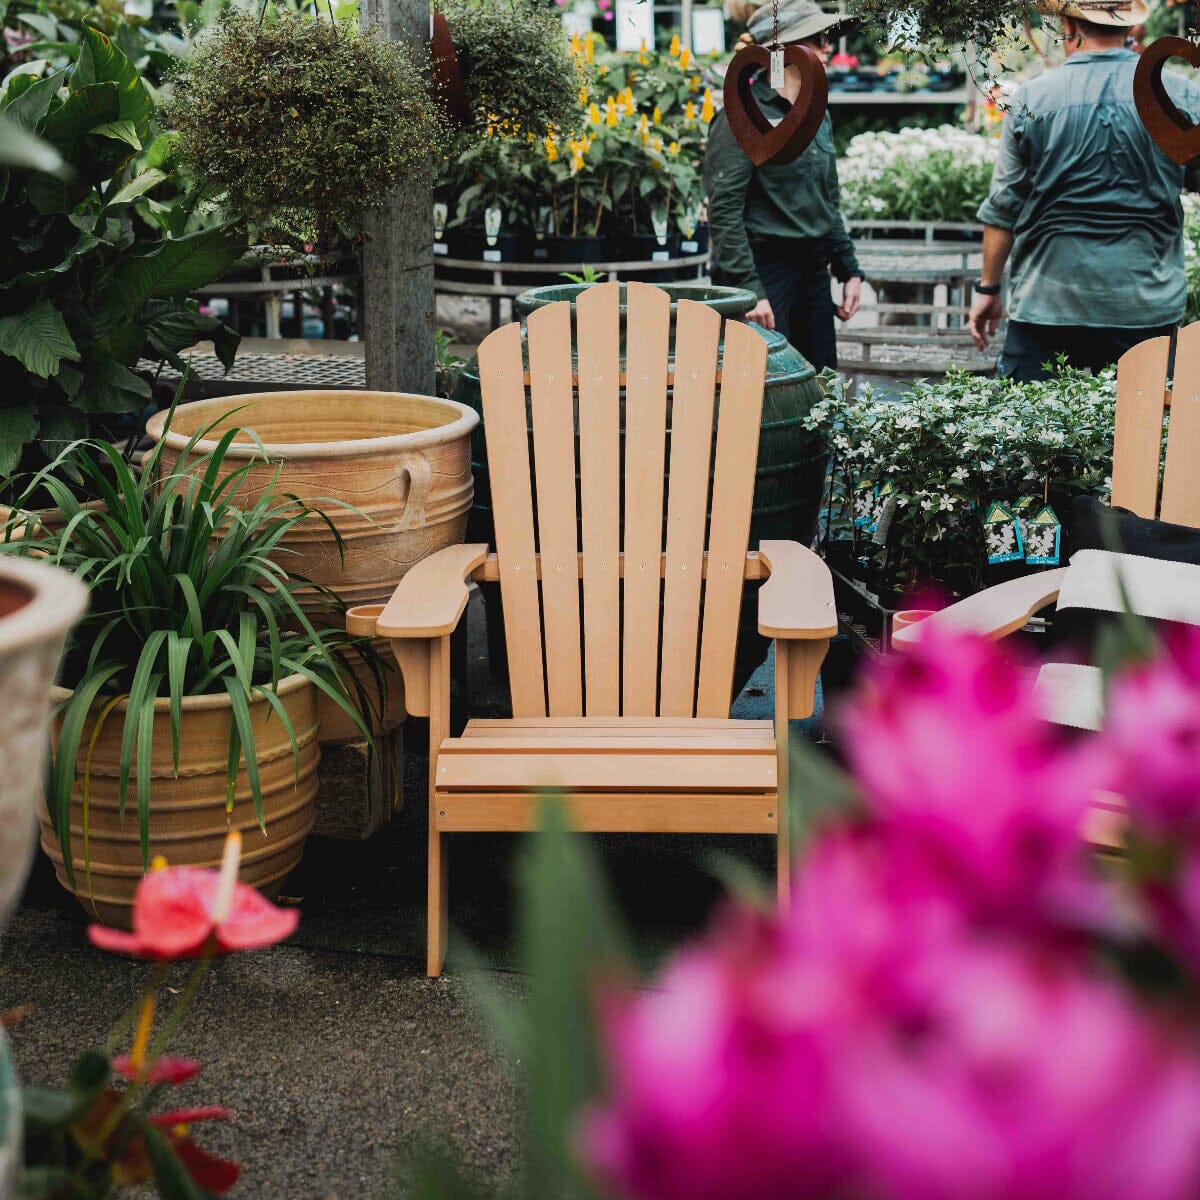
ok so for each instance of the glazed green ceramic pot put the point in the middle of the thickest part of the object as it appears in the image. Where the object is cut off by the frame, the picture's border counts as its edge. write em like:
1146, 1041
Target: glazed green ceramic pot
791, 459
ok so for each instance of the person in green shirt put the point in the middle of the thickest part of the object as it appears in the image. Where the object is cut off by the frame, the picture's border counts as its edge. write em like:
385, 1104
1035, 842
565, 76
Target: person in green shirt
777, 230
1083, 207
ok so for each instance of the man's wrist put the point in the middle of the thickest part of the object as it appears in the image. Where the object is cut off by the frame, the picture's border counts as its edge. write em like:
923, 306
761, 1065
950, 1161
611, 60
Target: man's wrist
987, 289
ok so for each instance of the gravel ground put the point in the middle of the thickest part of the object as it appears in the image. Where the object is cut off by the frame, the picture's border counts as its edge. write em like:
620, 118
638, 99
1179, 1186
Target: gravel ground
340, 1058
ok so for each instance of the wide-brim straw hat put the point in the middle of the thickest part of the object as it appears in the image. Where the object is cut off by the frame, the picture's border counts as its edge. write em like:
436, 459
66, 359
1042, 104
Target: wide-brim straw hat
798, 19
1121, 14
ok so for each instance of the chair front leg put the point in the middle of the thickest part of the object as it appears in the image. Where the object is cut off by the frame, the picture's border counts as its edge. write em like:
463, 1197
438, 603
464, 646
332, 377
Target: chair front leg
439, 879
797, 665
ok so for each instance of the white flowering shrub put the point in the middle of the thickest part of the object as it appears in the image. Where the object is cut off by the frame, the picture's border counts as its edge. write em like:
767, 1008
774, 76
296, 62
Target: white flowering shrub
938, 174
927, 465
1191, 253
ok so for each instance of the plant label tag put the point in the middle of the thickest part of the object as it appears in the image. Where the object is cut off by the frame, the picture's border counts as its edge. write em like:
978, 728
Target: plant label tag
885, 510
690, 247
776, 67
661, 227
540, 254
865, 493
441, 248
440, 213
492, 219
660, 256
1043, 538
1002, 534
492, 256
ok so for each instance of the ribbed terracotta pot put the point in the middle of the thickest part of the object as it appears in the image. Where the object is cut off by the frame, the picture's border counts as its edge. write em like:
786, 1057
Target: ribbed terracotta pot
403, 461
188, 819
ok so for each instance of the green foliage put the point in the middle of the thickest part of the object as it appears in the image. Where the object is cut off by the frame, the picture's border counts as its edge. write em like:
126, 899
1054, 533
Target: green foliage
942, 23
517, 68
85, 289
187, 598
301, 126
447, 365
948, 449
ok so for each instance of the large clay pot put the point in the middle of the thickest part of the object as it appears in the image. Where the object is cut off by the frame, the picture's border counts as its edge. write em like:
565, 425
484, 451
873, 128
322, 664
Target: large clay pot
790, 479
402, 461
188, 819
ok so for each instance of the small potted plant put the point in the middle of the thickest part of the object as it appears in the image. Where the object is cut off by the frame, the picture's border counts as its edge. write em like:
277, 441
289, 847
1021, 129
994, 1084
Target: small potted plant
189, 703
300, 125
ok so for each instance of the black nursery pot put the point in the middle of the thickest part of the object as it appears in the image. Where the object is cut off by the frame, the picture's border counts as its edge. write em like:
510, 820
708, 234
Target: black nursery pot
645, 247
697, 243
583, 249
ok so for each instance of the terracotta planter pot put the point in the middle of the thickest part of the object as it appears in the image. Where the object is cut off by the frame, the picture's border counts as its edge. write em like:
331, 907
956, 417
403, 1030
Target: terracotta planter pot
38, 605
188, 820
403, 461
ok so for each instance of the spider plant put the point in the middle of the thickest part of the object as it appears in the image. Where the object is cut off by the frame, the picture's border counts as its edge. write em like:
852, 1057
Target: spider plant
188, 598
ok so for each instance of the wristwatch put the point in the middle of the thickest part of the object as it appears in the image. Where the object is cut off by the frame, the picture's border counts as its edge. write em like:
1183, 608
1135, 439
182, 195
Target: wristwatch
987, 289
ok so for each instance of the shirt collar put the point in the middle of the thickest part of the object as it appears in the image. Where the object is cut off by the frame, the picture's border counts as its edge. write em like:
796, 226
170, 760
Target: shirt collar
1087, 56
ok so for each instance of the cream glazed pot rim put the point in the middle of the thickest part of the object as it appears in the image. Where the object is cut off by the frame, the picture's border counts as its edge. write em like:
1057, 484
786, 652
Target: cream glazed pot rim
57, 600
464, 421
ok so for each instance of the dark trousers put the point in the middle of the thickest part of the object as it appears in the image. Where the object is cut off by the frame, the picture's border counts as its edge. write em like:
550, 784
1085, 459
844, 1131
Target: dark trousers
798, 288
1028, 349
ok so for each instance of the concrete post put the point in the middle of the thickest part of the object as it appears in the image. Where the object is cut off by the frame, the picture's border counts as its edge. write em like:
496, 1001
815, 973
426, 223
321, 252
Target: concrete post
398, 248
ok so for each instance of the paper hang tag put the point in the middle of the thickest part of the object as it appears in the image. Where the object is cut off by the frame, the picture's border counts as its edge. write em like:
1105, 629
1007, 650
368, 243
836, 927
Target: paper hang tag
1002, 534
777, 67
440, 213
661, 227
1043, 538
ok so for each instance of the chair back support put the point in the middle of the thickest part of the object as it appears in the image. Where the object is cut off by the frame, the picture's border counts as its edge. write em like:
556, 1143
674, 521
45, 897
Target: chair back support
1142, 400
590, 505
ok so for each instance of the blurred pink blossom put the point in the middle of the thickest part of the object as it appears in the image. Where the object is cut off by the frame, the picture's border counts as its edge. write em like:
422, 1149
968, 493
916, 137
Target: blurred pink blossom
875, 1044
1152, 736
979, 792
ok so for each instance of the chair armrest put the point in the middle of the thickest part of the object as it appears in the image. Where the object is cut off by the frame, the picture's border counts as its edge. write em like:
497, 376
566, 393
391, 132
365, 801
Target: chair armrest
797, 599
995, 612
427, 603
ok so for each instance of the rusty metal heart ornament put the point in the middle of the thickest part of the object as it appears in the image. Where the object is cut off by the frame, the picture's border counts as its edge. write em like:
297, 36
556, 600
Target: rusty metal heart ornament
1171, 130
447, 76
765, 144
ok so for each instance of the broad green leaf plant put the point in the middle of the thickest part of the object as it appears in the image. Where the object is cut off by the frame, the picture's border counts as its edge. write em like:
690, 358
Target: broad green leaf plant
190, 596
87, 289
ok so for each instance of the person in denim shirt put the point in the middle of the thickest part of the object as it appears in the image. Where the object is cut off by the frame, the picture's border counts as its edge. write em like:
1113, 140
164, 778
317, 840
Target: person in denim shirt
777, 230
1083, 207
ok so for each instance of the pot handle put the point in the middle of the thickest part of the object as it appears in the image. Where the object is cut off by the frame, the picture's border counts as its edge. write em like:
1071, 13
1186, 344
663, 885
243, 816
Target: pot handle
420, 476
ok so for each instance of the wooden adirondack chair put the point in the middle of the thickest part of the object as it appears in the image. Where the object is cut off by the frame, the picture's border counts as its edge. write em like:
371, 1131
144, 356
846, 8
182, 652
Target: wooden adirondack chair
1098, 580
620, 648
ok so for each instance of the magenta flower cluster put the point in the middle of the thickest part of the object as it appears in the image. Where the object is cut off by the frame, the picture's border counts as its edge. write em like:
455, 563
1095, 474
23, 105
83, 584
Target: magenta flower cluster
936, 1017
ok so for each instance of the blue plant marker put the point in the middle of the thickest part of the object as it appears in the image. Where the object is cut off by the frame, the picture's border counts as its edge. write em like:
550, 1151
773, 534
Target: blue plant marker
1002, 534
1043, 541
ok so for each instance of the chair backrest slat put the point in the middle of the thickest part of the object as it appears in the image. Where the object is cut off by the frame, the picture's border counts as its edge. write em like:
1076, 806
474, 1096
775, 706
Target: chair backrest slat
738, 418
553, 411
697, 332
505, 418
1181, 477
647, 351
598, 321
1137, 438
608, 609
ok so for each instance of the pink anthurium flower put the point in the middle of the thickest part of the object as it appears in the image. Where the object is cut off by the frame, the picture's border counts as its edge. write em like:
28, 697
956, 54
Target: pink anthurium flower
186, 912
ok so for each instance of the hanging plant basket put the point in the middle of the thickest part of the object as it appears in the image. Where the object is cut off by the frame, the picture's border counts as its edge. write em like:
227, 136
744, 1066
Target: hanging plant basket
301, 126
517, 69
